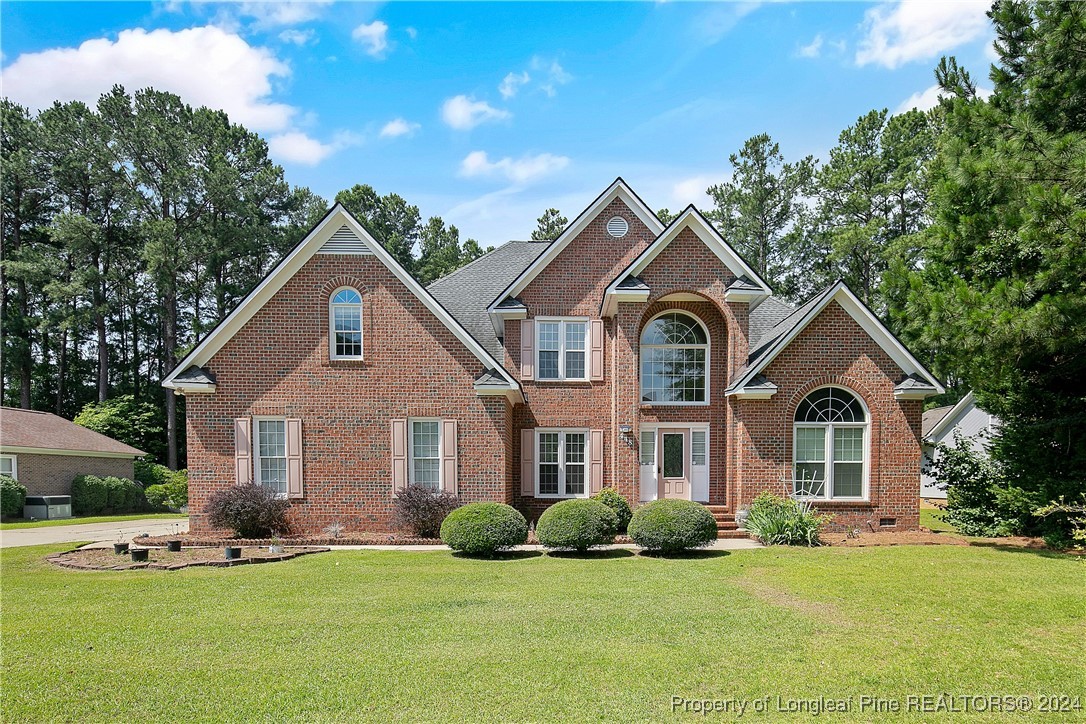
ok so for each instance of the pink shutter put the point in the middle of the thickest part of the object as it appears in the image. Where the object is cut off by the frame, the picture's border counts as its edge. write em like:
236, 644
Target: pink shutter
448, 456
595, 461
527, 462
527, 349
399, 456
243, 451
596, 349
294, 458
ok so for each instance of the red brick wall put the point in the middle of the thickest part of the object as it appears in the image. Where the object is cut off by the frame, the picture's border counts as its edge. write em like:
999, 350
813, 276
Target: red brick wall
278, 365
53, 474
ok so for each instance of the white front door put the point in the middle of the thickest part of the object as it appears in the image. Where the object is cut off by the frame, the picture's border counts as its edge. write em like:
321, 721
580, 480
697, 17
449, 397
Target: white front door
674, 463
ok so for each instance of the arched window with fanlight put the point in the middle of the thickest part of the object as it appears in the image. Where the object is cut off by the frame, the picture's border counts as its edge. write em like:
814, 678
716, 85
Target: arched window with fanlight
345, 324
674, 360
830, 450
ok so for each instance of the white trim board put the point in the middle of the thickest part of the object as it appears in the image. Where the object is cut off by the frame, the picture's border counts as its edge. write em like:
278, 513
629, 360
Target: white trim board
953, 412
332, 223
21, 450
867, 321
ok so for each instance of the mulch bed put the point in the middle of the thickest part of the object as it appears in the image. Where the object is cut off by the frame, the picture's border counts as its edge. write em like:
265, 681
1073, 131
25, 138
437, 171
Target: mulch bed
104, 559
924, 537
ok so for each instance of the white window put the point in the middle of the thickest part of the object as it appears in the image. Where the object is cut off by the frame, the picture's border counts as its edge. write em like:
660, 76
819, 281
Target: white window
345, 324
674, 360
561, 349
830, 449
648, 447
698, 453
562, 455
425, 454
270, 454
9, 465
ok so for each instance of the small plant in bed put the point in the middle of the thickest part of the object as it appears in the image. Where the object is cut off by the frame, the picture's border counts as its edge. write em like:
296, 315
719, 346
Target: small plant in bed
482, 529
672, 526
251, 511
422, 510
577, 524
785, 521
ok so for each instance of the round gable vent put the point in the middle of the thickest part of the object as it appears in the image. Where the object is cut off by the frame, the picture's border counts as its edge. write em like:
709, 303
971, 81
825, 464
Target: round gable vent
617, 227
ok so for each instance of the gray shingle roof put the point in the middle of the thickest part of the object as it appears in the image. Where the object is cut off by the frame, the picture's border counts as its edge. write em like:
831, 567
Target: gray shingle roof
769, 312
933, 417
196, 375
468, 291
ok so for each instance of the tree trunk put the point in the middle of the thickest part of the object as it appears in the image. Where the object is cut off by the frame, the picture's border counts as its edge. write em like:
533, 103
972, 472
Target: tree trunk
62, 372
100, 329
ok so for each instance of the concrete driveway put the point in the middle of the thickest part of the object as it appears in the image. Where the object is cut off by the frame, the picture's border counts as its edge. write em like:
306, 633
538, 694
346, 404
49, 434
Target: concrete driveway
110, 532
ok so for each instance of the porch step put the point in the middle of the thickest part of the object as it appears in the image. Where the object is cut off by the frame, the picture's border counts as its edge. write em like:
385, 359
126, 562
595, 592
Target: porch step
725, 522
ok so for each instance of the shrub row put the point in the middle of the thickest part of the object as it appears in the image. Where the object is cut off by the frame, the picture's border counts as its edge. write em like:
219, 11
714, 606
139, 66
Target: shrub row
92, 494
12, 497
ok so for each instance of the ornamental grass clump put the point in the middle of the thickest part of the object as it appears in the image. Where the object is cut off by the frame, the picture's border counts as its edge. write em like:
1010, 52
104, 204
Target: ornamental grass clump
785, 521
671, 526
483, 529
577, 524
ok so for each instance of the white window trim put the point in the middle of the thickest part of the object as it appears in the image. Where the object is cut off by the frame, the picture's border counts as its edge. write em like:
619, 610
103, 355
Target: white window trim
828, 462
411, 451
562, 432
561, 322
332, 324
708, 359
14, 464
256, 449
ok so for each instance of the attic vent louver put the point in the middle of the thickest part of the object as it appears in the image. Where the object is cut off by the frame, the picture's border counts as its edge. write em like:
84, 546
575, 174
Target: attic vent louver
617, 227
344, 241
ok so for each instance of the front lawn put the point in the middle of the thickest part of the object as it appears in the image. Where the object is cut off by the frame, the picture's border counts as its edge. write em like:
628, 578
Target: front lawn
411, 635
932, 519
18, 524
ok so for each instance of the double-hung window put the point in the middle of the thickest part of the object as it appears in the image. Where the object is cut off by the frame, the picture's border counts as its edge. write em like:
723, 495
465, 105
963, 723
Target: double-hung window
9, 465
561, 346
425, 454
830, 445
562, 455
270, 452
345, 321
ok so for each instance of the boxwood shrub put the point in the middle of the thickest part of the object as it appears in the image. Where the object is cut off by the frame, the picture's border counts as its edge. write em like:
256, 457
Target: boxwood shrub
93, 494
576, 524
12, 497
482, 529
614, 501
670, 526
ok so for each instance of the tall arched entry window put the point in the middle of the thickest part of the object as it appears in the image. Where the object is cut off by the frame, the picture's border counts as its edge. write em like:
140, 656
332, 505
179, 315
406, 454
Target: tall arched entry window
345, 324
674, 360
830, 445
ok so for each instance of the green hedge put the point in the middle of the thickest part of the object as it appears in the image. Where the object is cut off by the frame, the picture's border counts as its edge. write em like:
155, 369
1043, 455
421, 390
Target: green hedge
611, 498
12, 497
482, 529
670, 526
576, 525
92, 494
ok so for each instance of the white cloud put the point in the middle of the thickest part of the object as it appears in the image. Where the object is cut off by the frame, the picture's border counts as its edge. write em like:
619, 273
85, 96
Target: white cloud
297, 147
288, 12
374, 36
928, 98
464, 113
812, 49
512, 82
692, 191
398, 127
298, 37
411, 32
555, 76
519, 171
205, 66
897, 33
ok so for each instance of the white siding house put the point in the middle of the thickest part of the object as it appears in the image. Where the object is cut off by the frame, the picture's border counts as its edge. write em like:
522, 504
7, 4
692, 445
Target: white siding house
939, 425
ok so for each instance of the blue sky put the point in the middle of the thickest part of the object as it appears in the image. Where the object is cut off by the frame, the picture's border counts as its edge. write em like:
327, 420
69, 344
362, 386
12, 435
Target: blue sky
486, 114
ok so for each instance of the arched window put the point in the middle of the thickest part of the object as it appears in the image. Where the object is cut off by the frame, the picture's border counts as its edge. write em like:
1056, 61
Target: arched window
830, 448
674, 360
345, 324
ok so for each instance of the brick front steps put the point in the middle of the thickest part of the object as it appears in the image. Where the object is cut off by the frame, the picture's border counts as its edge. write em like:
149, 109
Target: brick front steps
725, 522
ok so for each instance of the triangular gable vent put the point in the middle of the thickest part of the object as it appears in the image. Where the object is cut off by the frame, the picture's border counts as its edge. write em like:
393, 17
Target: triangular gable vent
344, 241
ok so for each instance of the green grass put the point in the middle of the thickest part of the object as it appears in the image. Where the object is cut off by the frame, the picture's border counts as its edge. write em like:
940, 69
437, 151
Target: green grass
428, 636
933, 519
16, 525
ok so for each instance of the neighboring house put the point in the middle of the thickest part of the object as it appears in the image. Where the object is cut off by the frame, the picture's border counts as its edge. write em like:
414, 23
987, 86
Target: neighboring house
939, 425
625, 353
45, 452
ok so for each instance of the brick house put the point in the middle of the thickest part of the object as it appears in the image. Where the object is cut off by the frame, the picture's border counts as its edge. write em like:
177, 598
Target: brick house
625, 353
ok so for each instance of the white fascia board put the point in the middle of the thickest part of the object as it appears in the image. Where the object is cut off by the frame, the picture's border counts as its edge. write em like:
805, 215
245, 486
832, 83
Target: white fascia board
743, 295
513, 394
292, 263
499, 316
914, 394
189, 388
752, 393
950, 415
611, 300
617, 190
21, 450
867, 321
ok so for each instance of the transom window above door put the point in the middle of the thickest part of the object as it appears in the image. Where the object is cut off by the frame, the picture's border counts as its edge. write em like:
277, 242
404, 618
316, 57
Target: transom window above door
674, 360
830, 446
561, 349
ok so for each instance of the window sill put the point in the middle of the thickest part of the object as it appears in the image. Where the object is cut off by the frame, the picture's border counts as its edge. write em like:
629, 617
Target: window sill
347, 362
840, 502
562, 382
650, 405
560, 497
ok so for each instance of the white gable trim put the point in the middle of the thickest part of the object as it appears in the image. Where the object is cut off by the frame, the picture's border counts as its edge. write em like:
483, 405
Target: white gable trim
866, 319
617, 190
693, 219
331, 224
952, 413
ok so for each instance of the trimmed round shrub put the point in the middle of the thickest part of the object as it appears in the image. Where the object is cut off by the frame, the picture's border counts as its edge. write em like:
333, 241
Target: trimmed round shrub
12, 497
614, 501
481, 529
670, 526
251, 511
576, 524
